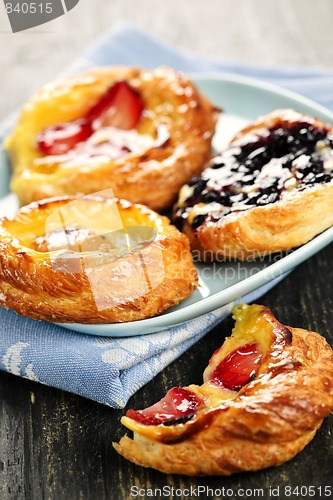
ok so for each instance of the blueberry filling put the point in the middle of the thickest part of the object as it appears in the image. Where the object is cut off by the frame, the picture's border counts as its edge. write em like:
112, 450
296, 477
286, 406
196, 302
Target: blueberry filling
259, 172
198, 220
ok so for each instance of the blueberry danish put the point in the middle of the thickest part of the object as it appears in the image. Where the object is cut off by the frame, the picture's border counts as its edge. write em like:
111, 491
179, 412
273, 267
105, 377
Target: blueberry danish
270, 190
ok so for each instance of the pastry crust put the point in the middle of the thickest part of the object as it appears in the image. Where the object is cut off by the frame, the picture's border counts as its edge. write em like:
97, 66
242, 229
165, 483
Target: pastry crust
92, 260
174, 110
249, 232
267, 422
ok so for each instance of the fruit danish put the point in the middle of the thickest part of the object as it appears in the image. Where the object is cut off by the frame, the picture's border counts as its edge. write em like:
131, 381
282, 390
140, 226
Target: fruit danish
92, 260
141, 133
270, 190
265, 393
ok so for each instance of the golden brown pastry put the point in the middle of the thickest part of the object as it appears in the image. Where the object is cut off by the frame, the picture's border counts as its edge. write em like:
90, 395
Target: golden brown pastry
271, 190
265, 393
92, 260
141, 133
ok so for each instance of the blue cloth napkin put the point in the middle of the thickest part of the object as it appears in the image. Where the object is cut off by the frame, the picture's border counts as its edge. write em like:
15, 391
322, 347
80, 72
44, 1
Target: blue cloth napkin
110, 370
129, 45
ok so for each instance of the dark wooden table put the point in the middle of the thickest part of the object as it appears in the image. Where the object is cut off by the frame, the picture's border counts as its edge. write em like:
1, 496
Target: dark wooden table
55, 445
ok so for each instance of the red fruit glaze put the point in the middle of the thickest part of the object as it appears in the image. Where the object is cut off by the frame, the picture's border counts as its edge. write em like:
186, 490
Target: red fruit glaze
177, 403
237, 368
60, 139
119, 107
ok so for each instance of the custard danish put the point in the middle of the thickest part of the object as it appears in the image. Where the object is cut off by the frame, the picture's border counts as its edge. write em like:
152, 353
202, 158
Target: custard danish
92, 260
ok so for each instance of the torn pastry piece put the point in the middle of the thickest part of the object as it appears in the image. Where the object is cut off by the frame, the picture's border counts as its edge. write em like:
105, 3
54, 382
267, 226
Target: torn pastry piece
271, 190
142, 133
265, 393
92, 260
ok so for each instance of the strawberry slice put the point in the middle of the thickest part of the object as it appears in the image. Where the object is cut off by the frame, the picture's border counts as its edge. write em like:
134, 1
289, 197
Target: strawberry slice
60, 139
119, 107
238, 368
177, 403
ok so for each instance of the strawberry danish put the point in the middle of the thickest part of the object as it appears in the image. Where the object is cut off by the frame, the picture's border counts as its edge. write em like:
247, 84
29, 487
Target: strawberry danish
141, 133
266, 392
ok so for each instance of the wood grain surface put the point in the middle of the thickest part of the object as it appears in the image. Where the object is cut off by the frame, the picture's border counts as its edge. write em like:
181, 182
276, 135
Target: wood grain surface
54, 445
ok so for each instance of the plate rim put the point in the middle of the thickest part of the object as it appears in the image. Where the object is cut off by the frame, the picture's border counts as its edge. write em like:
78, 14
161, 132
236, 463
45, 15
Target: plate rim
269, 87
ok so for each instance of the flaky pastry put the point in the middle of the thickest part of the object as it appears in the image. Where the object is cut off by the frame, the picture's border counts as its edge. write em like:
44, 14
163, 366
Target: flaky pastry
271, 190
265, 393
92, 260
141, 133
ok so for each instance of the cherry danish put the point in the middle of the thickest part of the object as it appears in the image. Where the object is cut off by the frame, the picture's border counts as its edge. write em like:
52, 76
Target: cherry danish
265, 393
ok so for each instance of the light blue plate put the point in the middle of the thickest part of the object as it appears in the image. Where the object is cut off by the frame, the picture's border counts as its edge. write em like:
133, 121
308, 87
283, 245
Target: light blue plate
242, 100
